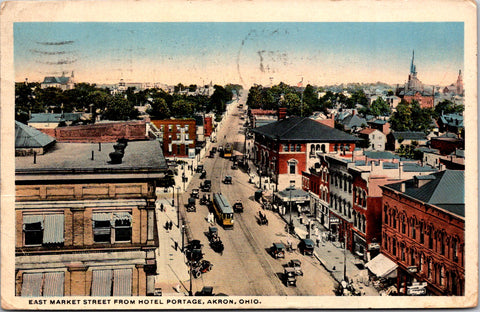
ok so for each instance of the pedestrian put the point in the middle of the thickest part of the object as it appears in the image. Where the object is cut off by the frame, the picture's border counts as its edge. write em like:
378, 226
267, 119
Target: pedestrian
166, 225
170, 223
318, 242
176, 245
161, 207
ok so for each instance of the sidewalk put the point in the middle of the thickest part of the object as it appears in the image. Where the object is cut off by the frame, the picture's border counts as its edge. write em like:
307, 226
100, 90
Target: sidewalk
331, 256
171, 268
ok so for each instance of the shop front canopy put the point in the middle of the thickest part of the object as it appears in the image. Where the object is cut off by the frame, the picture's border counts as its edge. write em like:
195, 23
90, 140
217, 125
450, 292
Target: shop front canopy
382, 267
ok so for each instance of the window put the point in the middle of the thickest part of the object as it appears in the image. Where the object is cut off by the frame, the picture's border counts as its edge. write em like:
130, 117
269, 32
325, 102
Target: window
285, 147
169, 138
112, 228
292, 168
442, 276
186, 128
422, 234
394, 247
46, 284
178, 128
43, 229
404, 226
179, 150
162, 127
170, 127
299, 147
116, 282
385, 215
429, 269
186, 137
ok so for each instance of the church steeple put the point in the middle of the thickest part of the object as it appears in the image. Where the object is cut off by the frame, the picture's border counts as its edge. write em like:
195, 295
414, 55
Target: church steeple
413, 69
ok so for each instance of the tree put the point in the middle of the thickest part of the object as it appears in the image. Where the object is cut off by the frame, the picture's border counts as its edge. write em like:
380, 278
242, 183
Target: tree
411, 117
118, 108
159, 109
447, 107
401, 120
25, 102
192, 88
182, 108
380, 108
292, 102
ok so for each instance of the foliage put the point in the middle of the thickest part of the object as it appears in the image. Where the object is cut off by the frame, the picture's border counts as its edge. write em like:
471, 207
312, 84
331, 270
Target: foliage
447, 107
410, 117
379, 107
159, 109
118, 108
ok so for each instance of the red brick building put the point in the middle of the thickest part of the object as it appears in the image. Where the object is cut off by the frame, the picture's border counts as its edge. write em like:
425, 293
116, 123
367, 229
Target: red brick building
179, 136
285, 148
424, 231
208, 126
425, 101
99, 132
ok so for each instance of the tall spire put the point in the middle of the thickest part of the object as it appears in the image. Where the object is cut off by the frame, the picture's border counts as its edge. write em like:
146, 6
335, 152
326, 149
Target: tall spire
413, 69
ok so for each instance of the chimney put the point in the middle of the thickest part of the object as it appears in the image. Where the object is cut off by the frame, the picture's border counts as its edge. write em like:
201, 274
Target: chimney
354, 112
402, 187
282, 113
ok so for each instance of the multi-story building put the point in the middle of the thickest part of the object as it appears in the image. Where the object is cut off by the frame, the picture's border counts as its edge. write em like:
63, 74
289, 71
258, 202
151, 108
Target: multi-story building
285, 148
85, 222
423, 231
178, 136
376, 139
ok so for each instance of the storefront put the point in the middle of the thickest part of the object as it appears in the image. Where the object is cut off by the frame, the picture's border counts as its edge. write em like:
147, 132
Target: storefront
359, 246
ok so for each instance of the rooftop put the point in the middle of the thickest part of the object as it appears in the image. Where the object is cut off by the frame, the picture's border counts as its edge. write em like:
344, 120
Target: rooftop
78, 156
409, 135
29, 137
381, 155
303, 129
445, 189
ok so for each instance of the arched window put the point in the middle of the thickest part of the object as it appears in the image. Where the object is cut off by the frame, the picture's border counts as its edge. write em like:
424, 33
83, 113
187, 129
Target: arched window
394, 247
421, 259
421, 228
323, 148
292, 166
385, 214
429, 269
442, 276
312, 150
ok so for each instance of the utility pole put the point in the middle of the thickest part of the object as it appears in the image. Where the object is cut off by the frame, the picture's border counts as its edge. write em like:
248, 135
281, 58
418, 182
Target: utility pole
178, 207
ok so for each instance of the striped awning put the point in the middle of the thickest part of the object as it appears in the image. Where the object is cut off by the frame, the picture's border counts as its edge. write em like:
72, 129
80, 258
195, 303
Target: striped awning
102, 283
32, 284
101, 216
122, 216
122, 282
30, 219
54, 284
54, 228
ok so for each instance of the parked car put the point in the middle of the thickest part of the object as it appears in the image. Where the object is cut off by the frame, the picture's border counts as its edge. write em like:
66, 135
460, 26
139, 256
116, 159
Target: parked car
290, 276
206, 185
206, 291
306, 246
278, 250
296, 265
238, 206
191, 207
227, 179
195, 193
199, 168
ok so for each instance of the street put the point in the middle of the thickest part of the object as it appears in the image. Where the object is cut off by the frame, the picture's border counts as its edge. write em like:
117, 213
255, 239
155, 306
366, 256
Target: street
246, 267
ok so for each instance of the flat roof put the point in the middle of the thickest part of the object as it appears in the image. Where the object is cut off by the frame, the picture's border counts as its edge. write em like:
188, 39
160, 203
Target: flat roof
146, 155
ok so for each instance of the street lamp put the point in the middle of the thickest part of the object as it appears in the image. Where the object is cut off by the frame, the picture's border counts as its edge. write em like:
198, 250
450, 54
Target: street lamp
178, 207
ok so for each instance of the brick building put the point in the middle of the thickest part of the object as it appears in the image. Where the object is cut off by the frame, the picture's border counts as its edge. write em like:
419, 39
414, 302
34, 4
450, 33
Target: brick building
424, 100
208, 126
179, 136
85, 226
100, 132
285, 148
424, 231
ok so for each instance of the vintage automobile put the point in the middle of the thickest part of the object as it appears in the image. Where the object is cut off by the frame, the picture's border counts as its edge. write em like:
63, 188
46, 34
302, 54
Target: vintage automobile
238, 206
278, 250
212, 154
205, 200
296, 265
195, 193
193, 251
200, 267
290, 276
262, 218
206, 291
203, 175
227, 179
206, 185
306, 246
199, 168
212, 232
191, 207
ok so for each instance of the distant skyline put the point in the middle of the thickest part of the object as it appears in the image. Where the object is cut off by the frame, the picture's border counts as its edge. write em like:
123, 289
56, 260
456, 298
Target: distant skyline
243, 53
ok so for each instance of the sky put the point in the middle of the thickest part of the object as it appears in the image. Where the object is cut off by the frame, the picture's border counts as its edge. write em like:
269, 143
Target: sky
244, 53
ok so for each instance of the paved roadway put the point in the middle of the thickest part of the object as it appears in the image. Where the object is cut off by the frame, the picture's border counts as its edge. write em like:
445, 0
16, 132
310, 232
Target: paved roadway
245, 267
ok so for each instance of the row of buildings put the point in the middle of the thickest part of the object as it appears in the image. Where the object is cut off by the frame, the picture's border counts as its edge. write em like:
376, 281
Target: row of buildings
395, 212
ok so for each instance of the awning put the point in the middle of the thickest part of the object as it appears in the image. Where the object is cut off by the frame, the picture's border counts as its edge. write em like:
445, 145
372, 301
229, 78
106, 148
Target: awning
54, 284
102, 283
382, 266
54, 228
31, 219
101, 216
295, 195
122, 216
32, 284
122, 282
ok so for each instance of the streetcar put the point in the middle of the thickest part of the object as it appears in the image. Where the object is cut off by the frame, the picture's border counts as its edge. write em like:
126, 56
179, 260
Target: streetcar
223, 210
228, 150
